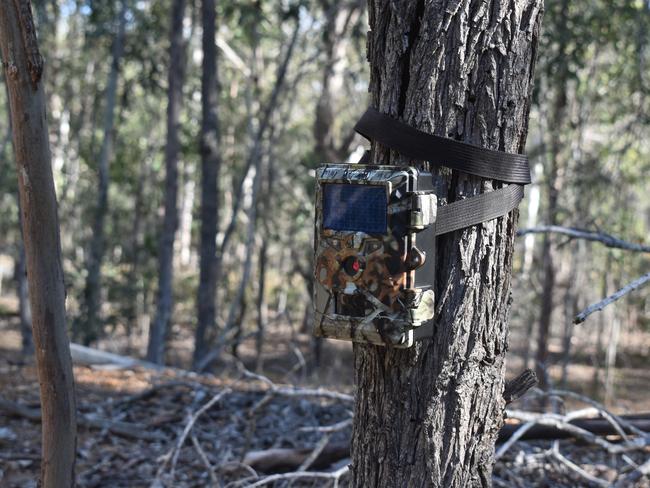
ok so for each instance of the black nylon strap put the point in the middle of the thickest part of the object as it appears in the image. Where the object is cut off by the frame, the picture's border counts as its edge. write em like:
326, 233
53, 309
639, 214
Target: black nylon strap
441, 151
474, 210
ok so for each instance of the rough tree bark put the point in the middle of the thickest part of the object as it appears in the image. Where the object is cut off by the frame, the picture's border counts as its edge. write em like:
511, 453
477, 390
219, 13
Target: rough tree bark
158, 331
90, 322
210, 167
430, 415
23, 67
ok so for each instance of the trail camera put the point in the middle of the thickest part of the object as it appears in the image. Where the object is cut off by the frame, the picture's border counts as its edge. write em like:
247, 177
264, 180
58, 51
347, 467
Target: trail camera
376, 228
374, 254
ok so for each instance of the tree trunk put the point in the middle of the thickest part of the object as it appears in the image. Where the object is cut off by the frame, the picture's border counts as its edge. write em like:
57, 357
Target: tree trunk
430, 415
187, 207
23, 67
158, 331
553, 185
91, 322
23, 299
210, 166
339, 20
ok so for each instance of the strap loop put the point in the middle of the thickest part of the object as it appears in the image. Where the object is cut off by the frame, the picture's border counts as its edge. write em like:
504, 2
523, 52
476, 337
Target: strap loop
442, 151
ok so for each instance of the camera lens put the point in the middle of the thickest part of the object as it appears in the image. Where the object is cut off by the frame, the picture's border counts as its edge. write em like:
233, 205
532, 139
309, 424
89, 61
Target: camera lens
352, 265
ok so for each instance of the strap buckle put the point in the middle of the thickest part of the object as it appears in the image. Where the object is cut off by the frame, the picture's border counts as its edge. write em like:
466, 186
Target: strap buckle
424, 209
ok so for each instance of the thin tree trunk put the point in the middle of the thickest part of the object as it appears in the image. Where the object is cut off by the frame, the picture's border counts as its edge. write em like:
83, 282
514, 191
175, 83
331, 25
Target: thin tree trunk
339, 19
529, 253
553, 185
23, 67
91, 321
210, 166
23, 298
261, 305
612, 348
158, 330
187, 206
602, 319
430, 415
573, 284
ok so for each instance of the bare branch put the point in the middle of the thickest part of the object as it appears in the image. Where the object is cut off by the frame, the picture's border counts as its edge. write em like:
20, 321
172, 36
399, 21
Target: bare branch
631, 478
562, 423
588, 235
596, 307
290, 391
335, 476
173, 454
577, 469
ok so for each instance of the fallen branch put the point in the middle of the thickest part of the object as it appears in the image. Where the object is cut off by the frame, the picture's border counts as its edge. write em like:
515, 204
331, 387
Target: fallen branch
173, 454
335, 476
631, 478
298, 392
284, 459
123, 429
596, 307
559, 422
577, 469
603, 238
12, 456
88, 356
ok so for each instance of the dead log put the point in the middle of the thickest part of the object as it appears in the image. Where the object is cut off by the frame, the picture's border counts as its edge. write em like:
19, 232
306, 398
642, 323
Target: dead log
88, 356
280, 460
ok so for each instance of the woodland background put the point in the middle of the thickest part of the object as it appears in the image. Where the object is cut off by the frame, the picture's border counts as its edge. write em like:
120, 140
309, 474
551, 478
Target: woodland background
292, 81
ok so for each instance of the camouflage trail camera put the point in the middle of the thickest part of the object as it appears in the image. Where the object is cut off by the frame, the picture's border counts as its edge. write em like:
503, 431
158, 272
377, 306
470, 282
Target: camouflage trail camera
374, 253
376, 228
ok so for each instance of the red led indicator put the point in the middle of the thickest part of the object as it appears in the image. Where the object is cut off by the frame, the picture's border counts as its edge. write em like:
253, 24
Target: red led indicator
352, 265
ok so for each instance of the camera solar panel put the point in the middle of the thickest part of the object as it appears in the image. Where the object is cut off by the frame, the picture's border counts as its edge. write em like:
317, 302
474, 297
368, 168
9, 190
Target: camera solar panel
356, 208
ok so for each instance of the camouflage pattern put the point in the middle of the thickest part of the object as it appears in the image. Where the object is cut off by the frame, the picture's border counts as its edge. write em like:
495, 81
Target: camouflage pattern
378, 304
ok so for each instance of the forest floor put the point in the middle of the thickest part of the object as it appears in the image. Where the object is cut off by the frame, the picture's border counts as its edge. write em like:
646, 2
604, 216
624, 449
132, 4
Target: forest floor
162, 428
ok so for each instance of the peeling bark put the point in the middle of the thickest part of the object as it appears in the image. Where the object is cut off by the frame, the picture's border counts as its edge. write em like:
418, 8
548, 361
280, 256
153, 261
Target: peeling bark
430, 415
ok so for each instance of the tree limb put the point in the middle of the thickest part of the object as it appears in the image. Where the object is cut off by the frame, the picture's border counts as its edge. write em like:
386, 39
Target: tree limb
596, 307
588, 235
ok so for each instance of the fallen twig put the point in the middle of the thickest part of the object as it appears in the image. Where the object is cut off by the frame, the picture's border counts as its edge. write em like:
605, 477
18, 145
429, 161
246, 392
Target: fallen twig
173, 454
577, 469
631, 478
292, 391
334, 476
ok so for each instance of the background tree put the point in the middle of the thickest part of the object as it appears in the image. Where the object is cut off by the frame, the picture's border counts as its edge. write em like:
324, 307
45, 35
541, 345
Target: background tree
90, 321
210, 169
157, 336
429, 415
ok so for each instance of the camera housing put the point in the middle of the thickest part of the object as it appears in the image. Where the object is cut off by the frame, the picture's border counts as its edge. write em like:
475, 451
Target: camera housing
374, 254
